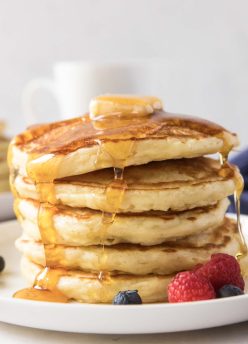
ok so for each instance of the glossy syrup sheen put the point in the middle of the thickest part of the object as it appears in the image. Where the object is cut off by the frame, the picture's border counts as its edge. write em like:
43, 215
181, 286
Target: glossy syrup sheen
239, 186
67, 136
237, 194
45, 285
46, 144
114, 196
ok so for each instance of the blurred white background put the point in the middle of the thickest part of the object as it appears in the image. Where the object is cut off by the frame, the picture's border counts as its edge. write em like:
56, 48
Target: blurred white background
200, 48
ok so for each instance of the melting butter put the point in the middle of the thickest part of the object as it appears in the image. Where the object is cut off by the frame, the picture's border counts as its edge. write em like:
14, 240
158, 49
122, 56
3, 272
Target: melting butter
123, 105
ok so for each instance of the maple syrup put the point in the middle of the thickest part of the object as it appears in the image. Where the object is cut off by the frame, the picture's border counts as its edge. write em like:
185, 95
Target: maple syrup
237, 194
114, 196
225, 151
45, 284
43, 170
65, 137
115, 137
44, 288
239, 186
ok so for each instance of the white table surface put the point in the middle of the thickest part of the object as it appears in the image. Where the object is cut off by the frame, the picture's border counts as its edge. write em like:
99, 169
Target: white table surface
235, 334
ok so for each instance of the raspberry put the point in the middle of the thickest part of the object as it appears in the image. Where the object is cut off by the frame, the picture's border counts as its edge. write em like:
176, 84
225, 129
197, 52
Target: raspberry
222, 269
188, 286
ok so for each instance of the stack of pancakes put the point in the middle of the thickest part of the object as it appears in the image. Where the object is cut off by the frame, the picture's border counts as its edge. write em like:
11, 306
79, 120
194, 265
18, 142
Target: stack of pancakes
4, 171
121, 203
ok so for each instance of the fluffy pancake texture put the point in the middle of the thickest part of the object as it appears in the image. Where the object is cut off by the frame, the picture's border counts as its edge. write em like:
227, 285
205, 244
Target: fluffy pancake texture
77, 227
74, 144
86, 287
123, 202
174, 184
161, 259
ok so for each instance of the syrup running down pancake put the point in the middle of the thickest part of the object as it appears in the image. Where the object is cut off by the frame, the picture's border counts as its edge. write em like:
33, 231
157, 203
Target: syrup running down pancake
127, 160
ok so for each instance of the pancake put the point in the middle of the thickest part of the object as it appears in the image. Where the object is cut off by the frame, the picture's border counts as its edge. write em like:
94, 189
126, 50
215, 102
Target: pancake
80, 145
85, 287
161, 259
172, 184
82, 226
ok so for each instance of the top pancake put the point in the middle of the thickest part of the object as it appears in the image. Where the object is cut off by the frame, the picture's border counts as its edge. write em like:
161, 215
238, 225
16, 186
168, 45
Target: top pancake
80, 145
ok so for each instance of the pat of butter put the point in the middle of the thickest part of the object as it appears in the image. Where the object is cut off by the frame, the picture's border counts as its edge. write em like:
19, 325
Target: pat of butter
123, 105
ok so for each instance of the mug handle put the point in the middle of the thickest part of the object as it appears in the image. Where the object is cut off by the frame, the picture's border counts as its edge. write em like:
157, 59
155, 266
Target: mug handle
28, 94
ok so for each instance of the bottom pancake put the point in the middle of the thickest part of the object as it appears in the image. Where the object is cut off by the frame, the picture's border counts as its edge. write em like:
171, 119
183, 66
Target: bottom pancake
161, 259
85, 287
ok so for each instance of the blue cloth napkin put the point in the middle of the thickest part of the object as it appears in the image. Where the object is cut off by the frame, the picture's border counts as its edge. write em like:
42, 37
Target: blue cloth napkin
241, 160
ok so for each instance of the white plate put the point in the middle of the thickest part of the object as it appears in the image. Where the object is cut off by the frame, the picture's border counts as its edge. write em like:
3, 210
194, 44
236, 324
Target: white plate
109, 319
6, 206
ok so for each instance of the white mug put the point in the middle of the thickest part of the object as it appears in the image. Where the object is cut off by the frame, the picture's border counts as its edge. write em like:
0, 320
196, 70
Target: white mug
75, 83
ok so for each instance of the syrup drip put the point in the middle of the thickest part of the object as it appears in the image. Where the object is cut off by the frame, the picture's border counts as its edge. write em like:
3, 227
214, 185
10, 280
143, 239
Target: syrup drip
223, 158
114, 193
44, 288
237, 194
115, 139
119, 153
45, 284
225, 150
239, 186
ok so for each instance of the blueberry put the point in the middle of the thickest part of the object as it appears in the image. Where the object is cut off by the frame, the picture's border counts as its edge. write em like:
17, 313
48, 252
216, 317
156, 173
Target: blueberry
128, 297
2, 264
229, 290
